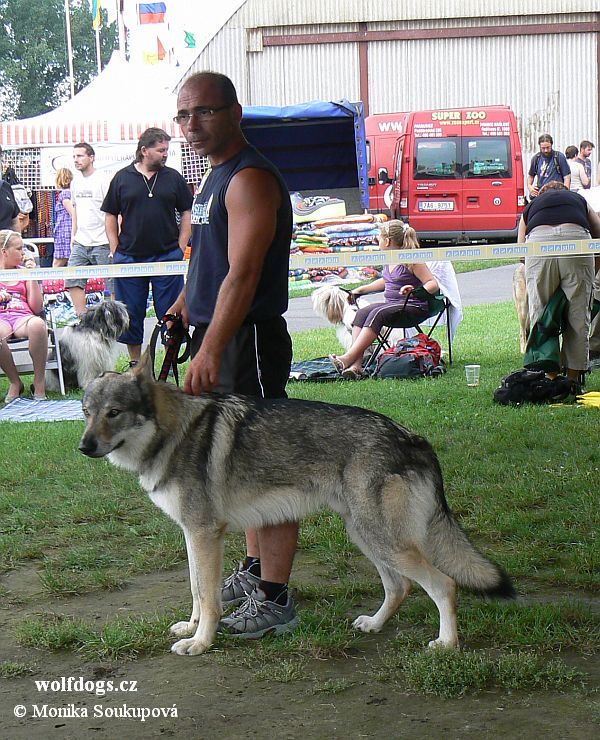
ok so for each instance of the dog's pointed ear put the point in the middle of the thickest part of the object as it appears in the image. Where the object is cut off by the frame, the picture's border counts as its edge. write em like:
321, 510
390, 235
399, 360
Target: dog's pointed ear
144, 367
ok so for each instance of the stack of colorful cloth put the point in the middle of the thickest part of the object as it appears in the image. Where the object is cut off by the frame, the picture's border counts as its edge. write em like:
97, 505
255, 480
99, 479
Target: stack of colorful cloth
346, 234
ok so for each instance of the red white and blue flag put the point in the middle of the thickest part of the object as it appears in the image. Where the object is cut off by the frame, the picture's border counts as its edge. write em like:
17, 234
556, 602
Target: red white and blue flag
152, 12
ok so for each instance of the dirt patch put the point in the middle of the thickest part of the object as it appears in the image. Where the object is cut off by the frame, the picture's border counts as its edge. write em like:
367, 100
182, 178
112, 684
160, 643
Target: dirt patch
213, 700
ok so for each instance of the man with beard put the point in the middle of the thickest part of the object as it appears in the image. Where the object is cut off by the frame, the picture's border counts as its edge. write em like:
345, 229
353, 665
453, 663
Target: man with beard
142, 225
547, 165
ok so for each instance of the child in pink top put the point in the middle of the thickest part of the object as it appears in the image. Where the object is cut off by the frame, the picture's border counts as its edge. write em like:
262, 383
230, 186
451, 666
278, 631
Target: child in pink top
20, 302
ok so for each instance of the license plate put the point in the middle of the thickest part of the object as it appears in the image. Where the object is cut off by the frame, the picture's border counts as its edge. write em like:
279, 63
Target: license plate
436, 205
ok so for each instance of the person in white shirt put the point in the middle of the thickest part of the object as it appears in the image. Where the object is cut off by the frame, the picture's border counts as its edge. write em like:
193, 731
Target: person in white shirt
89, 241
579, 178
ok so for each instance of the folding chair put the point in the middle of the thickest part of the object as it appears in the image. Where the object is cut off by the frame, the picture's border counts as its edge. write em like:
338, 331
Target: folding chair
438, 306
19, 349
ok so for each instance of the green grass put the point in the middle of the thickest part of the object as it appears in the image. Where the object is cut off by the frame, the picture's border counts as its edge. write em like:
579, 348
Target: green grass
523, 482
451, 673
15, 669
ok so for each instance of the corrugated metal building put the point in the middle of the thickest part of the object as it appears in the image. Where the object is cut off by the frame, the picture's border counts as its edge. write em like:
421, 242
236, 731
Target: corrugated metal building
540, 57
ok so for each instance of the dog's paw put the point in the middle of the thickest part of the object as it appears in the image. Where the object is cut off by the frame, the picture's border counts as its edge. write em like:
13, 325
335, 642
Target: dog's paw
189, 647
364, 623
441, 643
183, 629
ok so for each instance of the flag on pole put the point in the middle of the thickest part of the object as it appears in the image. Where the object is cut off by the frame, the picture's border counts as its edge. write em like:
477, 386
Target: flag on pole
152, 12
189, 40
96, 17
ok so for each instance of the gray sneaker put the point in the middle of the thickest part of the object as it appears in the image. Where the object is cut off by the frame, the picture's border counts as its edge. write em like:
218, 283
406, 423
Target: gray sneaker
257, 617
237, 586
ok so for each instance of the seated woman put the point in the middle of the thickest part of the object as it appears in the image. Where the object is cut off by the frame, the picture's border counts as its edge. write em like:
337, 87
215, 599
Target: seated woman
20, 301
398, 282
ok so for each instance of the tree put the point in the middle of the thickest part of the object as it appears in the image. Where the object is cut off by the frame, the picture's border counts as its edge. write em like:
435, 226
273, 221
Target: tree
33, 53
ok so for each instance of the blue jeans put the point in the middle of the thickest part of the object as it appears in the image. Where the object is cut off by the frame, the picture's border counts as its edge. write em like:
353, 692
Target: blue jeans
133, 291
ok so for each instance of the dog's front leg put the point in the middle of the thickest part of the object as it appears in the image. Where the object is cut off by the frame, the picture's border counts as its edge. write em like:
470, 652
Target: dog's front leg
205, 555
185, 628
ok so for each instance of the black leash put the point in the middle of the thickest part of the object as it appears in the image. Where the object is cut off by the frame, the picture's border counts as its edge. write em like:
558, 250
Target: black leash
172, 339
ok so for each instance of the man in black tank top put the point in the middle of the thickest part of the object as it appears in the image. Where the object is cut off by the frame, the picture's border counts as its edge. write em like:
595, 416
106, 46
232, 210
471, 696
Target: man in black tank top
235, 297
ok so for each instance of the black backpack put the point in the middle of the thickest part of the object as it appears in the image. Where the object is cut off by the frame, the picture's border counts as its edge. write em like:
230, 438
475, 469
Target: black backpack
532, 386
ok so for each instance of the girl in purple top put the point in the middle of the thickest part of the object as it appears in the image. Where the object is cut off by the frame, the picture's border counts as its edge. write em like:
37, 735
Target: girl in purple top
397, 282
63, 218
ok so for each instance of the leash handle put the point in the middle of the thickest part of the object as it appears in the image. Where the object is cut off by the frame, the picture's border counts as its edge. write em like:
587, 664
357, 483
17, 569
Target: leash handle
173, 338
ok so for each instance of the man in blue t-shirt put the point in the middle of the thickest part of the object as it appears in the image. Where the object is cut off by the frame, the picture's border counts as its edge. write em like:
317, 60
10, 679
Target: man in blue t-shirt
547, 165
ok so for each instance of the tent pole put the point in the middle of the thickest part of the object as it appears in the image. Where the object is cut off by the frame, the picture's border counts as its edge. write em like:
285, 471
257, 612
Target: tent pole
98, 57
121, 27
69, 48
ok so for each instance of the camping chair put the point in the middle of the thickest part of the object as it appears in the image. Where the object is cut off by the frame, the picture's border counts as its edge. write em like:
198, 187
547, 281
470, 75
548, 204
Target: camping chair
438, 306
20, 352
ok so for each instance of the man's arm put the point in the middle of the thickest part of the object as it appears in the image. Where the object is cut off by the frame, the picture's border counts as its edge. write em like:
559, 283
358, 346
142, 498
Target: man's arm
111, 225
252, 200
567, 180
521, 232
185, 229
533, 190
73, 220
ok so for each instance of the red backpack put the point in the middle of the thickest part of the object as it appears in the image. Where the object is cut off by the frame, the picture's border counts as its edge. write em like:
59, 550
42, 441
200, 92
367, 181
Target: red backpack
415, 357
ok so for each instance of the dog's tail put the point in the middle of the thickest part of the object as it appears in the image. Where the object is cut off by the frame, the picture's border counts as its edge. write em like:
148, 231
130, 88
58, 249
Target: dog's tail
454, 554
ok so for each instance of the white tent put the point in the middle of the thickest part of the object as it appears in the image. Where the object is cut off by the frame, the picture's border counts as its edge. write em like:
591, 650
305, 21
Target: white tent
117, 105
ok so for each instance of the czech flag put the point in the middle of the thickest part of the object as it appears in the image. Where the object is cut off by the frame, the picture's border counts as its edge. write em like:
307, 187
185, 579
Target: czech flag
96, 17
152, 12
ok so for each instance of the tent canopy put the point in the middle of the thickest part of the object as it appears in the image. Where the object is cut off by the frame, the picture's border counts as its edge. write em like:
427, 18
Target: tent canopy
116, 106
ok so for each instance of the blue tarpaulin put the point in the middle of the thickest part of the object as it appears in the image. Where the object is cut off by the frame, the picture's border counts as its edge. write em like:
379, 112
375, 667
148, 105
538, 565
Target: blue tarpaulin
316, 146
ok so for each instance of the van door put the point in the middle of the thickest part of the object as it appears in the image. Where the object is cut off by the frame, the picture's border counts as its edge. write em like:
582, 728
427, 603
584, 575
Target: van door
381, 154
489, 187
435, 185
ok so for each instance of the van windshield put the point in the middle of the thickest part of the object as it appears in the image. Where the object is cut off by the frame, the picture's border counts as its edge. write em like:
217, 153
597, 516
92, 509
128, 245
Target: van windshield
487, 157
436, 158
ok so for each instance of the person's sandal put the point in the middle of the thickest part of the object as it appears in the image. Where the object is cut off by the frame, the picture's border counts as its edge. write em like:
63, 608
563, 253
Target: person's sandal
37, 396
10, 397
337, 364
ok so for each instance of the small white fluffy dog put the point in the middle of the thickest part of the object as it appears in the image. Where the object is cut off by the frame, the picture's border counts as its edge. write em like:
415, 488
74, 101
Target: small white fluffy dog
89, 348
331, 303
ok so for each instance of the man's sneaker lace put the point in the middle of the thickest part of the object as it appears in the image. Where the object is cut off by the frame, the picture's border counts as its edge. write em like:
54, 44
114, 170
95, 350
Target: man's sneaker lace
257, 617
237, 586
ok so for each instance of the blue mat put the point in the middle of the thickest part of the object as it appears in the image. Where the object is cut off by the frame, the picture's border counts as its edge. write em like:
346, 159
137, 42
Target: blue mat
26, 409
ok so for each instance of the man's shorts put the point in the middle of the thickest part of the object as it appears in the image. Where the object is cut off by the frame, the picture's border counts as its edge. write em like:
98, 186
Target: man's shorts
82, 257
256, 362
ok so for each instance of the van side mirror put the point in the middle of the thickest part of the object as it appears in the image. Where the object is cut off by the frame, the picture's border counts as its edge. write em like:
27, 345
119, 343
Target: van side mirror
383, 176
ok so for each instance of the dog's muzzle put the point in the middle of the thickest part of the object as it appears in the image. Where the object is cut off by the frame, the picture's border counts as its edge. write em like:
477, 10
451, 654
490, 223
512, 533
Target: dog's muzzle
89, 446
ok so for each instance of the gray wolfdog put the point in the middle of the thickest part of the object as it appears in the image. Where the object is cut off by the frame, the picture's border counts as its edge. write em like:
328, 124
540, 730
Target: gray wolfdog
219, 462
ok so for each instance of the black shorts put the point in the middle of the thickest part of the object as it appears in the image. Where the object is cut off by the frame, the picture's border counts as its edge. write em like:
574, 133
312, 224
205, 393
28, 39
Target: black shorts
256, 362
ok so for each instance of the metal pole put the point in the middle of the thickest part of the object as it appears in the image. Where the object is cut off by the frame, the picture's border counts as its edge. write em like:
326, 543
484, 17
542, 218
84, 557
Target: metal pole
98, 57
69, 48
121, 27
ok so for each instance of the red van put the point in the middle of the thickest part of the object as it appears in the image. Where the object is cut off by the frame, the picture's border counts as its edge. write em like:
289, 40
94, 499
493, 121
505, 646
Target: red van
455, 175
